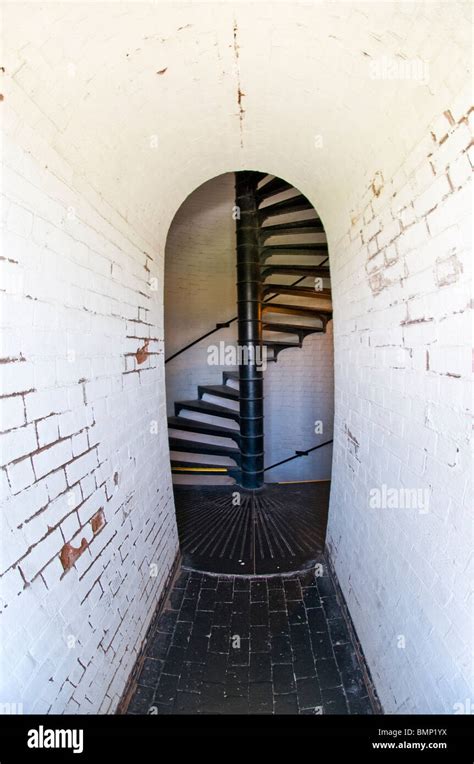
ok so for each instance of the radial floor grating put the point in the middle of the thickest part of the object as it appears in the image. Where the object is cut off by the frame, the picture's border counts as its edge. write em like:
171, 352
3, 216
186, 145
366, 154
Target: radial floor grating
226, 530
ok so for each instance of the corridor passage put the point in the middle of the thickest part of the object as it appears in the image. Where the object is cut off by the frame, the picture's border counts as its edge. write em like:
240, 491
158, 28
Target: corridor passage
245, 645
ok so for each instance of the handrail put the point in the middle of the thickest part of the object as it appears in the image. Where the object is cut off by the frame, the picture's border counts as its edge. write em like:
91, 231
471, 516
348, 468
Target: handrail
297, 455
203, 337
222, 325
218, 468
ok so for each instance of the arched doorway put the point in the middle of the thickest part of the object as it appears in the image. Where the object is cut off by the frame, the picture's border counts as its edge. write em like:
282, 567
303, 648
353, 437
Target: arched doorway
225, 521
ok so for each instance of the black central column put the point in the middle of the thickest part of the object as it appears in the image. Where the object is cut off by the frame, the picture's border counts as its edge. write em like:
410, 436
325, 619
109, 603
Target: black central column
250, 331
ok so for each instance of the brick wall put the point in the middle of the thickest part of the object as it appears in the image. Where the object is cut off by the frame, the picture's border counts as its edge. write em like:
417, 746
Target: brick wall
403, 363
129, 121
88, 531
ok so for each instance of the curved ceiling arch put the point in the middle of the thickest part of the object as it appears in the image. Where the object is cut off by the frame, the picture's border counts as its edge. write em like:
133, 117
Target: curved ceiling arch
148, 101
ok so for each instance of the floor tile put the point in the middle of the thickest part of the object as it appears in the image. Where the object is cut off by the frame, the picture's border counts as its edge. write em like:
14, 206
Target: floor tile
238, 645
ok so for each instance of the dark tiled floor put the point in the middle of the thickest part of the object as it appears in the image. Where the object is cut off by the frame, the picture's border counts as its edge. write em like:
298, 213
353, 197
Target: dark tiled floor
250, 646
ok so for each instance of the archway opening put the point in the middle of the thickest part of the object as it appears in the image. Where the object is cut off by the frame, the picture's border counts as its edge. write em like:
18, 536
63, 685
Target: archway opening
221, 522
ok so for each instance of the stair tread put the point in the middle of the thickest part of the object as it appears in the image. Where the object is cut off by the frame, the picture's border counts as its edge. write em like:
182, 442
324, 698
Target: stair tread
208, 408
220, 390
298, 270
275, 343
197, 466
294, 309
303, 291
273, 187
265, 255
203, 463
300, 226
199, 447
194, 425
317, 246
274, 326
293, 204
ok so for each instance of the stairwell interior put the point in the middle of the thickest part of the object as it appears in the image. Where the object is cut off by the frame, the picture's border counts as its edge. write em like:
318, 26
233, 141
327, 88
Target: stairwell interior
217, 439
113, 115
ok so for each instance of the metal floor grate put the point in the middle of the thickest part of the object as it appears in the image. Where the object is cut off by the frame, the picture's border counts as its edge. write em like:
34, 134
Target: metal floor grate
280, 529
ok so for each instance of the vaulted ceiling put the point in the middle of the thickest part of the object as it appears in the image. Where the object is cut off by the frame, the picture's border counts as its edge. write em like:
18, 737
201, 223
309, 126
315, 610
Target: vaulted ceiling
148, 100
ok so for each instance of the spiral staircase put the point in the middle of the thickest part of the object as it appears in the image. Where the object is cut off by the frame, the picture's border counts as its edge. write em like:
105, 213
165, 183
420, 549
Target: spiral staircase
294, 296
230, 519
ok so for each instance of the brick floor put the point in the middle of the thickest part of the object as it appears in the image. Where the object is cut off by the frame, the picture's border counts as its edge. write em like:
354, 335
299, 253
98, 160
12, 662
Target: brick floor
250, 646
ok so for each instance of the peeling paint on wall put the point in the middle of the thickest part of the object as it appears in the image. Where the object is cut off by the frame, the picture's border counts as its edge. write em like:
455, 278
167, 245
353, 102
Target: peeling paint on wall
142, 353
70, 554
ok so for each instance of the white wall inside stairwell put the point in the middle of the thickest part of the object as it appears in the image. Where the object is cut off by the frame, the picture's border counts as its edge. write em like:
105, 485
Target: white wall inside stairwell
199, 287
132, 120
299, 410
200, 273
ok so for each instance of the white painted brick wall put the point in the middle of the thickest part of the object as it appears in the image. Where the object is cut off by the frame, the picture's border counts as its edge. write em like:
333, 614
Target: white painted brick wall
74, 148
60, 361
417, 596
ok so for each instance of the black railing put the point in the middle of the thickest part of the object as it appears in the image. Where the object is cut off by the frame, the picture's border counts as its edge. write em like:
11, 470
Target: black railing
222, 325
297, 455
218, 326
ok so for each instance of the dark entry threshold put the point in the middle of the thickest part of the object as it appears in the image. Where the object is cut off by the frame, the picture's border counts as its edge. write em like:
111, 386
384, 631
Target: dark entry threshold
280, 529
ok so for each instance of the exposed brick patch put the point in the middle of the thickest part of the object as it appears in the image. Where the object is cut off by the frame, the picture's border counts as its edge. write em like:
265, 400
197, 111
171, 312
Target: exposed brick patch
70, 554
353, 442
417, 211
142, 353
13, 360
98, 521
377, 184
448, 270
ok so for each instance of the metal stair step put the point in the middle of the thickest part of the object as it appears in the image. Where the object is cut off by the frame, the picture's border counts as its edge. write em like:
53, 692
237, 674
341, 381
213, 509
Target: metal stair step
291, 328
221, 391
297, 226
273, 187
320, 247
295, 250
278, 347
230, 375
193, 425
186, 468
198, 447
297, 270
275, 345
203, 407
296, 203
296, 310
295, 290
